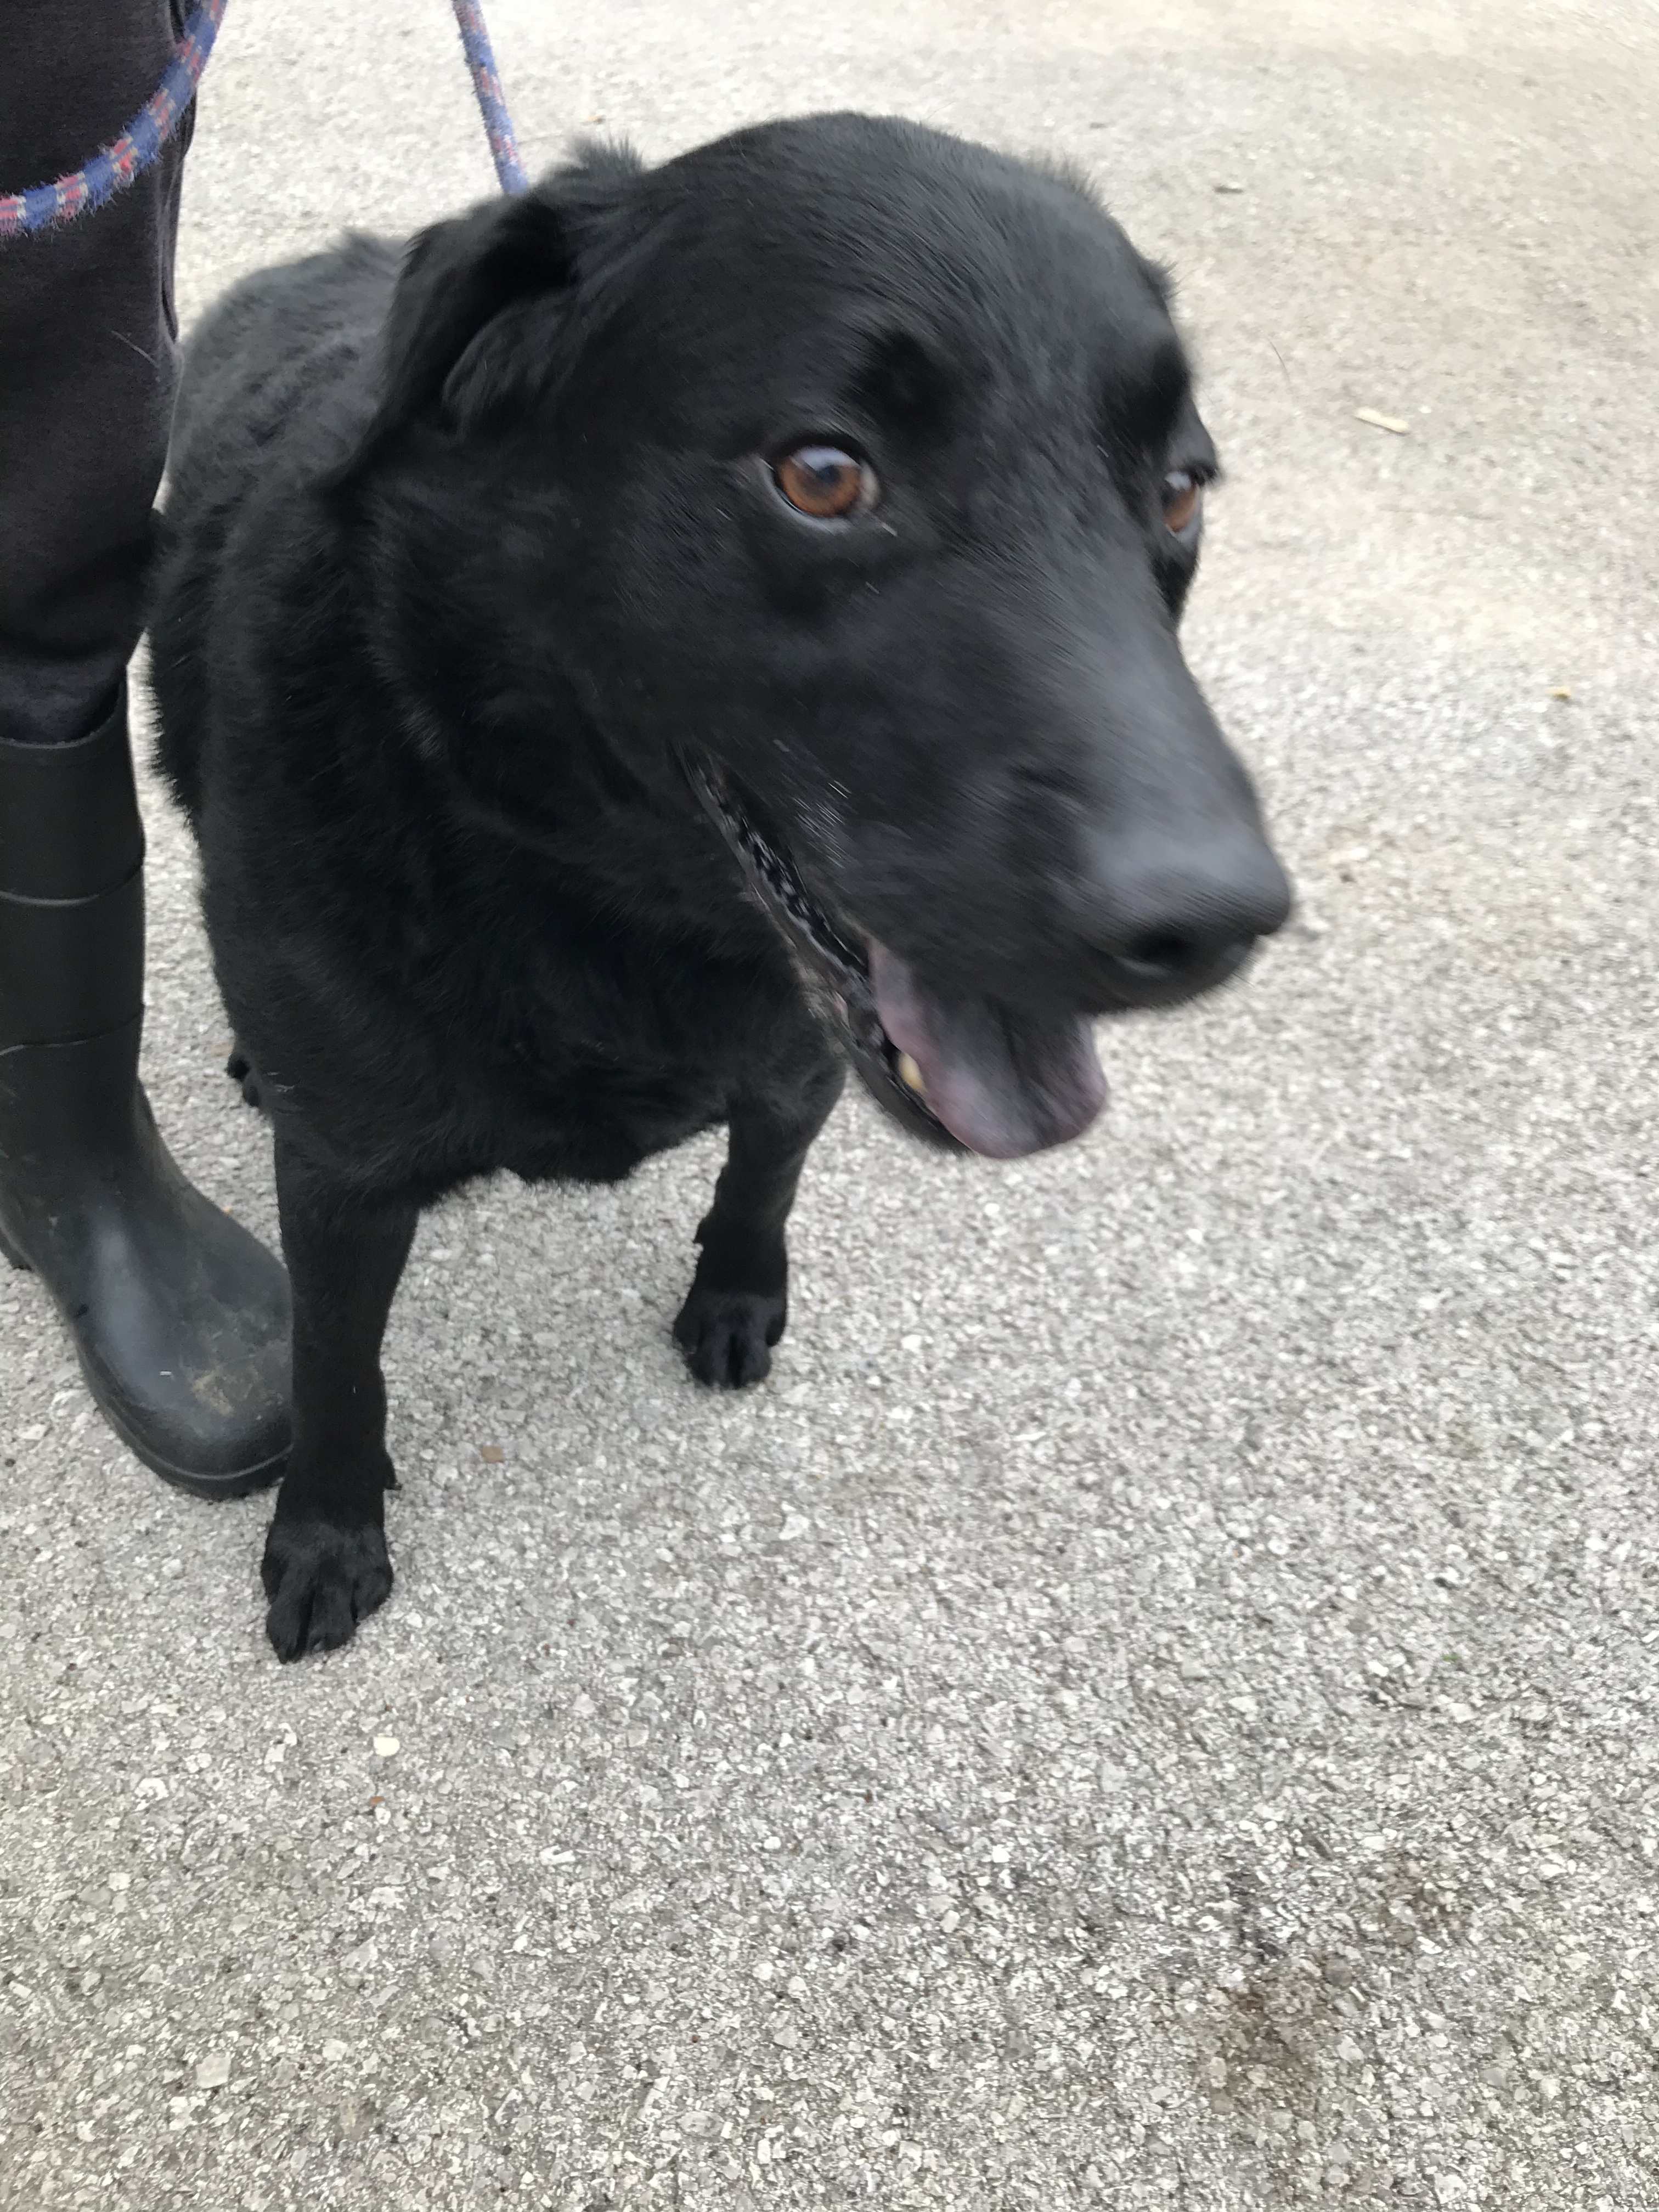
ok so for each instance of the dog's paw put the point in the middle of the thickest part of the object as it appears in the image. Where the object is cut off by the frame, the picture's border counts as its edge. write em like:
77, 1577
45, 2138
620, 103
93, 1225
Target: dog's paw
239, 1069
728, 1335
321, 1582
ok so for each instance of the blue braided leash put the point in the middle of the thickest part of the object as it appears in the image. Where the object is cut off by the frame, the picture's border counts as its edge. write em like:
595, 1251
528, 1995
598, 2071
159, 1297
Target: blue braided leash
113, 168
492, 100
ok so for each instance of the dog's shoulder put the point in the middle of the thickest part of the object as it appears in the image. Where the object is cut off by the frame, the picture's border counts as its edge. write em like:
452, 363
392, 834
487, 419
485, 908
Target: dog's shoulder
276, 378
265, 359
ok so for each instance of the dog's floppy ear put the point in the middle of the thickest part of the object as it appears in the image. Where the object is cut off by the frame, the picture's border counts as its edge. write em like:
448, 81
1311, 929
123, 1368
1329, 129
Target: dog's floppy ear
457, 279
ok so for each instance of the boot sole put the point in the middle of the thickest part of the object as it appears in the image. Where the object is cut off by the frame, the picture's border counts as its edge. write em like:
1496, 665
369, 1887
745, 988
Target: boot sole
241, 1483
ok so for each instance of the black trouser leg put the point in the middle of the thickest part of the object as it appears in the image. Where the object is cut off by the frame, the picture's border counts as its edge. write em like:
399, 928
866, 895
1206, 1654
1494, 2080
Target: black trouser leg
87, 361
738, 1301
326, 1562
179, 1317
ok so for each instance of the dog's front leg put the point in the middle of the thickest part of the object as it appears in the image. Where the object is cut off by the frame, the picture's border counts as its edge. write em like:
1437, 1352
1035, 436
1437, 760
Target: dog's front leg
738, 1300
325, 1563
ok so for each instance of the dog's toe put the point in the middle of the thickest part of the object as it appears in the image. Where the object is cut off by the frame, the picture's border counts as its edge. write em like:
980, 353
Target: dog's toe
321, 1581
728, 1335
239, 1069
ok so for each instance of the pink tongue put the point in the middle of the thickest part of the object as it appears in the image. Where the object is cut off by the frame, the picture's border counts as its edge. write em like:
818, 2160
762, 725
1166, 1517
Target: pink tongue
1002, 1081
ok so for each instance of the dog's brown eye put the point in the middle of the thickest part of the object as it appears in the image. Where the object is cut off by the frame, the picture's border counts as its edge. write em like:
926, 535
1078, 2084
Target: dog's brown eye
824, 482
1181, 496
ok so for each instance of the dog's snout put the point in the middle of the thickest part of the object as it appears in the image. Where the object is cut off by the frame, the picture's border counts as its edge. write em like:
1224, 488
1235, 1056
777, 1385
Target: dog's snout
1170, 920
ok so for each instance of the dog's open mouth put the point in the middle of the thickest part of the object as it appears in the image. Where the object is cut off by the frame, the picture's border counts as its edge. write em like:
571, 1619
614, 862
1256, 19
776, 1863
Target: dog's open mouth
961, 1071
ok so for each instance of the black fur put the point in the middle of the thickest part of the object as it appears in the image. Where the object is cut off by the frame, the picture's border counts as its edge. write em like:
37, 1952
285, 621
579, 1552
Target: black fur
562, 791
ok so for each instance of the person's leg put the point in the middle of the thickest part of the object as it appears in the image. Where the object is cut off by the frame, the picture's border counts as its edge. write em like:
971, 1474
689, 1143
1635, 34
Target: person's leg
87, 361
179, 1316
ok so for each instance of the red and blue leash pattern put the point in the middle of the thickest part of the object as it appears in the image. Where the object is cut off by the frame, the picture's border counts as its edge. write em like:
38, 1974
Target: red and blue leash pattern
492, 100
110, 171
114, 169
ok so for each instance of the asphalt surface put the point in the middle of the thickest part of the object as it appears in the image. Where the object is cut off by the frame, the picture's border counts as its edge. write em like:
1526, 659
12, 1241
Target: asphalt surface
1153, 1704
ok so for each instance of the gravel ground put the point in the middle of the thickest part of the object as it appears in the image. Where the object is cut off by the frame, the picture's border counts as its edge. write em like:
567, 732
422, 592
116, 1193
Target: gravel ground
1153, 1703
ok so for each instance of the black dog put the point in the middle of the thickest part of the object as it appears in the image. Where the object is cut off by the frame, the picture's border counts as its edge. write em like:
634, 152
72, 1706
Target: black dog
649, 643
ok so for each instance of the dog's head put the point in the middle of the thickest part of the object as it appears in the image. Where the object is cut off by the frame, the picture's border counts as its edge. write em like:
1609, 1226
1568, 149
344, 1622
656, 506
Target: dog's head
870, 487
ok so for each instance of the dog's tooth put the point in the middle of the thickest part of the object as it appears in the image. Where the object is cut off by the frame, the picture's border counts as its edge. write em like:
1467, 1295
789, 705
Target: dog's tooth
909, 1074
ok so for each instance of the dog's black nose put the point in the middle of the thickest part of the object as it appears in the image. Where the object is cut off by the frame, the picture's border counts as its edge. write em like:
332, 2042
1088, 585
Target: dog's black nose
1169, 920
